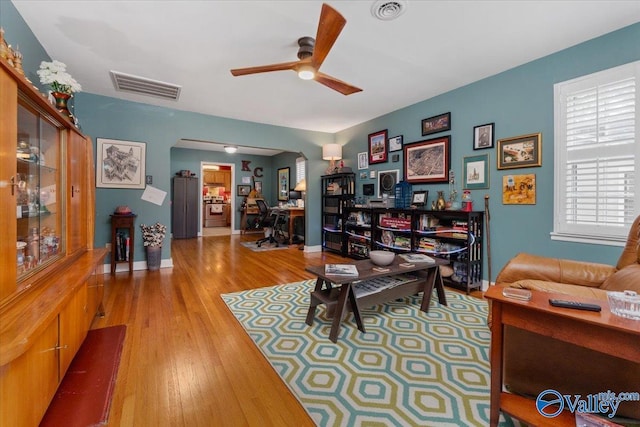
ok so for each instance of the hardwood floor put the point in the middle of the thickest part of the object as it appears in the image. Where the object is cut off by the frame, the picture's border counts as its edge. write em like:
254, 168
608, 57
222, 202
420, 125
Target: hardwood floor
186, 360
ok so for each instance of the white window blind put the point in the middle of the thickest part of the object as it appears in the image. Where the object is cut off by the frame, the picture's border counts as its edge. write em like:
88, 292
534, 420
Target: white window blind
596, 155
300, 169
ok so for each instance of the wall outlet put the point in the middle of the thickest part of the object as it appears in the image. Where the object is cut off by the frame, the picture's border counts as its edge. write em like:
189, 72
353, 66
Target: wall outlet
108, 246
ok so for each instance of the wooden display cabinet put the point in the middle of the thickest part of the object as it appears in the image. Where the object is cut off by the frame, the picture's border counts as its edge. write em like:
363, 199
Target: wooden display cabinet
50, 275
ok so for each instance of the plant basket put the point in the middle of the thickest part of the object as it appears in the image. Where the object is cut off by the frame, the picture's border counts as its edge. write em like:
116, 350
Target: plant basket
154, 257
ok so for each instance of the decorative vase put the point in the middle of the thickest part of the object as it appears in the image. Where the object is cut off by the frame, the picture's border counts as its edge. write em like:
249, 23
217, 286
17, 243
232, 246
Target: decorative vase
440, 203
154, 257
62, 100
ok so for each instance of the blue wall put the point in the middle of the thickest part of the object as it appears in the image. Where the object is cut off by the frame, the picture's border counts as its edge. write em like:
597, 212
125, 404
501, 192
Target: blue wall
161, 128
519, 101
189, 159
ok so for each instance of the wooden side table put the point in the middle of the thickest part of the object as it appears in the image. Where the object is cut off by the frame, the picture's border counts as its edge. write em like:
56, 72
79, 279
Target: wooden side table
122, 244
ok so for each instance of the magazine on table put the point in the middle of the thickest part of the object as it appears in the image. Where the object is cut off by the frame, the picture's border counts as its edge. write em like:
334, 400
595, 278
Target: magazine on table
413, 257
340, 270
379, 284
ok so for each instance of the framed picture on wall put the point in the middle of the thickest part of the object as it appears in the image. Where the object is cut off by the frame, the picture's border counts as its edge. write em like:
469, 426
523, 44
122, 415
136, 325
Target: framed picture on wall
483, 136
476, 172
436, 124
363, 160
244, 190
519, 189
387, 181
395, 143
378, 149
520, 152
120, 164
283, 184
427, 161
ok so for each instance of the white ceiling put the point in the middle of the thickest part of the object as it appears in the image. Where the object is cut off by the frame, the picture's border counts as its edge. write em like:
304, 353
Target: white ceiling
434, 47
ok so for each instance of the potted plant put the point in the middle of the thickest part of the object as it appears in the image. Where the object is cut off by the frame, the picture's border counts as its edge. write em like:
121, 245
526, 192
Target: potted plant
62, 84
153, 237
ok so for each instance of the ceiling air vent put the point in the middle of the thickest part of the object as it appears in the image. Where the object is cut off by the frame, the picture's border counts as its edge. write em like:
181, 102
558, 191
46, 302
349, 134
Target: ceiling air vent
387, 10
134, 84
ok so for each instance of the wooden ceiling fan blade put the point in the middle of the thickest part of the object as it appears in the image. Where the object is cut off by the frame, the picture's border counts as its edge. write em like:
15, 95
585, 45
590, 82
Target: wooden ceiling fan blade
329, 27
265, 68
335, 84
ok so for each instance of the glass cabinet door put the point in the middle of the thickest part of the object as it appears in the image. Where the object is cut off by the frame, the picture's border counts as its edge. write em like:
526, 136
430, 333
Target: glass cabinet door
39, 191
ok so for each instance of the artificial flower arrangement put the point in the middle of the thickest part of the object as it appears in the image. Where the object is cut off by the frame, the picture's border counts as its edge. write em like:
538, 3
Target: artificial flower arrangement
55, 74
153, 235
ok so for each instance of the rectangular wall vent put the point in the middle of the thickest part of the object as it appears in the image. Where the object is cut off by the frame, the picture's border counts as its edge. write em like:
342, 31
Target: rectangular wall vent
140, 85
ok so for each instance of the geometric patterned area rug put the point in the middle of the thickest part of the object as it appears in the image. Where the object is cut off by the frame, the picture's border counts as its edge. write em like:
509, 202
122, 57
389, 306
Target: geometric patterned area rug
264, 247
409, 369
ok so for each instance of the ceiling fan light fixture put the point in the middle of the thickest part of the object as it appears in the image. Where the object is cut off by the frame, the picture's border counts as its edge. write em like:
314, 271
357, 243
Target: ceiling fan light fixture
230, 149
306, 72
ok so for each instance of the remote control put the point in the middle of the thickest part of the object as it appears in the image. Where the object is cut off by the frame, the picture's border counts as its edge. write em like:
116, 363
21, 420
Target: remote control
574, 304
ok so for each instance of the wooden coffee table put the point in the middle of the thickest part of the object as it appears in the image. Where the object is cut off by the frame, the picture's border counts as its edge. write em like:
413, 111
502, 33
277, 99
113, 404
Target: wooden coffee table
334, 291
603, 332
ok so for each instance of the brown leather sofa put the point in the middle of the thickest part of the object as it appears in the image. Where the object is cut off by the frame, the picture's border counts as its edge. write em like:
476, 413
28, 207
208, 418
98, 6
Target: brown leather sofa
533, 363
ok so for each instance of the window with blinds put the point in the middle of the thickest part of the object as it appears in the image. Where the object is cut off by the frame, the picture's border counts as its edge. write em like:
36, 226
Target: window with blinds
300, 169
597, 147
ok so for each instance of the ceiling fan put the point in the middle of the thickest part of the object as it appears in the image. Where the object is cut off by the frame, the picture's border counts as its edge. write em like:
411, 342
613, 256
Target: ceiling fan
312, 53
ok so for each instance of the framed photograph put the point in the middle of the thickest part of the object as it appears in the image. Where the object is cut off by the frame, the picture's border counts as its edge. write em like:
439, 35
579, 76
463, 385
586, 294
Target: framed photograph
419, 198
258, 186
519, 189
363, 160
387, 181
436, 124
367, 189
428, 161
378, 149
520, 152
244, 190
476, 172
120, 164
395, 143
283, 184
483, 136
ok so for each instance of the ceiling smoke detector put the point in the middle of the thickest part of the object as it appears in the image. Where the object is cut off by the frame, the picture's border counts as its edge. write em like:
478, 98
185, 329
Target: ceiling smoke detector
387, 10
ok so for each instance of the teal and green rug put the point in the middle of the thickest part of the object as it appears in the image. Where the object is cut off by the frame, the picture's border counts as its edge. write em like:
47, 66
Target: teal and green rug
409, 369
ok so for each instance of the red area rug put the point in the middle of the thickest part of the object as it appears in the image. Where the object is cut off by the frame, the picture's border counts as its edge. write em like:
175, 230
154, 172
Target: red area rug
84, 395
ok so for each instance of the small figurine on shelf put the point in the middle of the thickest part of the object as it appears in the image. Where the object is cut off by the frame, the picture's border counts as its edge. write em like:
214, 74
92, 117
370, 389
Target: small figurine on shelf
467, 203
453, 203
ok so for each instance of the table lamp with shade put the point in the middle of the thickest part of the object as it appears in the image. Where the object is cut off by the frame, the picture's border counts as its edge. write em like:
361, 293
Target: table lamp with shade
302, 187
332, 152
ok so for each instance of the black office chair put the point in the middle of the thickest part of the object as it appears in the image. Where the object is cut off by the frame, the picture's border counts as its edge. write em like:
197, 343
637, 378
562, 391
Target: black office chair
271, 221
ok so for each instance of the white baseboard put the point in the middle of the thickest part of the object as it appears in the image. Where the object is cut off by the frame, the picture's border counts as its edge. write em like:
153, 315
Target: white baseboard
137, 265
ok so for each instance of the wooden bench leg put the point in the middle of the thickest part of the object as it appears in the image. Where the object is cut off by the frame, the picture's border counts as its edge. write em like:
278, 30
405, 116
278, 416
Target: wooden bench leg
356, 309
313, 302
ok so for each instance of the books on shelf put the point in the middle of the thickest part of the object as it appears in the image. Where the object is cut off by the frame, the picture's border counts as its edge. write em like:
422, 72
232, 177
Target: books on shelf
412, 257
340, 270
